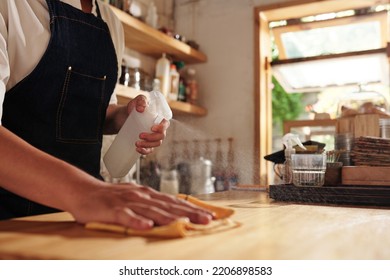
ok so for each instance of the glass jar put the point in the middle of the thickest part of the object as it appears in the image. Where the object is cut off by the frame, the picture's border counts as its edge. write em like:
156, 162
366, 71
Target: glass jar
169, 182
363, 102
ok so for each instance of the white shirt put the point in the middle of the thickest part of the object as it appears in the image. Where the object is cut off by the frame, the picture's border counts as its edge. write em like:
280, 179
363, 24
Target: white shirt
25, 34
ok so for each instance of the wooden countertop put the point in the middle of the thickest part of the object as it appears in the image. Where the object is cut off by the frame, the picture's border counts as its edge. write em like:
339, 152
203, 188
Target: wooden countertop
270, 230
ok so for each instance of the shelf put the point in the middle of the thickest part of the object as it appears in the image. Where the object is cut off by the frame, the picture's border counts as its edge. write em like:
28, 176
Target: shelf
124, 94
149, 41
301, 123
184, 108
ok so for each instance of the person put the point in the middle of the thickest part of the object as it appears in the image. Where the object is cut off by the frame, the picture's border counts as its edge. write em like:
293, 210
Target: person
58, 69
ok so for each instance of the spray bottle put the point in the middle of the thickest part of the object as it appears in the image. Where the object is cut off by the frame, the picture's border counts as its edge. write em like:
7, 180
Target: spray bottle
122, 154
289, 150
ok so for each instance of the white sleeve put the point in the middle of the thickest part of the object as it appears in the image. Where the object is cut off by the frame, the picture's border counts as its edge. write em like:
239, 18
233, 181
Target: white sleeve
4, 63
117, 35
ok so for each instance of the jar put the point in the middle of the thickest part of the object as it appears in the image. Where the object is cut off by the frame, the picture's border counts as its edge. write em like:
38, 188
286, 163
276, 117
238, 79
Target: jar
169, 182
363, 102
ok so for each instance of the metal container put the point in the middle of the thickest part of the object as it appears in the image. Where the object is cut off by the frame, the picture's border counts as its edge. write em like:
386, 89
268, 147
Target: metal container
344, 143
136, 78
384, 126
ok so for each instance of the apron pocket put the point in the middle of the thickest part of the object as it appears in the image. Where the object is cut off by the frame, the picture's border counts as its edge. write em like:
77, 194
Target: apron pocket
80, 111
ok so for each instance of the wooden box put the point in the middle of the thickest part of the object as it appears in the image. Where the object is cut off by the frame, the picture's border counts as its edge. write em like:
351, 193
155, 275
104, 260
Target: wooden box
366, 175
359, 125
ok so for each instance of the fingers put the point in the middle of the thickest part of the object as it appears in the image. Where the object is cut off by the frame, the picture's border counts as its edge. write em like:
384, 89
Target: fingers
139, 103
197, 216
170, 206
175, 209
161, 127
158, 131
147, 144
180, 206
152, 140
128, 218
158, 215
141, 216
137, 207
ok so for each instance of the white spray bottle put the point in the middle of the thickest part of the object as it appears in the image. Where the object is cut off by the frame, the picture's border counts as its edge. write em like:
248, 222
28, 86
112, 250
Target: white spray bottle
122, 154
288, 151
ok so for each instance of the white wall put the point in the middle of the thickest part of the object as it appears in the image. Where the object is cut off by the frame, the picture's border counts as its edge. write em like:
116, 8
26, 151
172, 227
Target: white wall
224, 31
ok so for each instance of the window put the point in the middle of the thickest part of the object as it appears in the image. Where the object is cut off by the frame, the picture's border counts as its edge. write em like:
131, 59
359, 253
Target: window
302, 12
317, 52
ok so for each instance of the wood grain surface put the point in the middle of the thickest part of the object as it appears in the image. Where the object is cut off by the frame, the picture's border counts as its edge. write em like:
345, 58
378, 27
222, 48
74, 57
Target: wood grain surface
270, 230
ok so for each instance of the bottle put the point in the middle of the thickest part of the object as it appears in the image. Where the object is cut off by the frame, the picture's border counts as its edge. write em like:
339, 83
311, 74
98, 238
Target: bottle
152, 16
163, 67
174, 83
218, 171
182, 95
156, 85
288, 151
231, 179
150, 171
122, 154
185, 176
191, 86
196, 154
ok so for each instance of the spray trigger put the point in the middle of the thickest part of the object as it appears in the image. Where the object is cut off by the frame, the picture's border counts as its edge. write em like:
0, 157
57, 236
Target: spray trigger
289, 138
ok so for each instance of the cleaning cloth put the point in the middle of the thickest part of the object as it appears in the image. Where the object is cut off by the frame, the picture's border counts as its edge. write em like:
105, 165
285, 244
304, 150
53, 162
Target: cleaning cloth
181, 227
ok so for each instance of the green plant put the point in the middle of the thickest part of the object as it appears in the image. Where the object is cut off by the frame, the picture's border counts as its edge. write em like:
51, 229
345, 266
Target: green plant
285, 106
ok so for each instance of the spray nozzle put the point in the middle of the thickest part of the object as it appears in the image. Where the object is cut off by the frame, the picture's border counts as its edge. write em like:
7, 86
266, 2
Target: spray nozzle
288, 139
157, 104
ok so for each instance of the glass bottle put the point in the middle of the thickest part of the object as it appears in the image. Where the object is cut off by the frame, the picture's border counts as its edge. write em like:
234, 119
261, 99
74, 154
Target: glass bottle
191, 86
218, 170
231, 178
174, 83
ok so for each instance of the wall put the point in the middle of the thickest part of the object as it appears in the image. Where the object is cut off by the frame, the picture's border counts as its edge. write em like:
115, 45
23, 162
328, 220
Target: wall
224, 31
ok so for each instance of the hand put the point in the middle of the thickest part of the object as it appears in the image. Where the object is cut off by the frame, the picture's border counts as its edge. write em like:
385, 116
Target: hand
136, 207
148, 140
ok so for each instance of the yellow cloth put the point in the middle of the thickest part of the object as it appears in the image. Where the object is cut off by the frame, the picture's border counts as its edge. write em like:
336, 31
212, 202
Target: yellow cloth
181, 227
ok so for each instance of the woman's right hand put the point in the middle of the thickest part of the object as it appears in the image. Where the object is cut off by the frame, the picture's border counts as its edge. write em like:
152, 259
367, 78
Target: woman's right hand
135, 206
58, 184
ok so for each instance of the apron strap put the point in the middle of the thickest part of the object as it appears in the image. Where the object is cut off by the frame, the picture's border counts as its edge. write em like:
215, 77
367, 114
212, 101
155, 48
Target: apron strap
97, 9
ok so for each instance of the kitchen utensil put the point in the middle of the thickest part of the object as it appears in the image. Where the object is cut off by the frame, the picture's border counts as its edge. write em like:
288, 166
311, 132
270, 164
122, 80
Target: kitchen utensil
308, 169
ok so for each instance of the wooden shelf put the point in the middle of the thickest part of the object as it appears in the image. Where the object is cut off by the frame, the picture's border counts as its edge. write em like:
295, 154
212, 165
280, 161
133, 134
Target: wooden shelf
149, 41
301, 123
124, 94
184, 108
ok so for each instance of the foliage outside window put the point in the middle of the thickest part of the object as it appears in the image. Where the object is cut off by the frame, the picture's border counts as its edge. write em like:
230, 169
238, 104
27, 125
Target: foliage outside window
285, 106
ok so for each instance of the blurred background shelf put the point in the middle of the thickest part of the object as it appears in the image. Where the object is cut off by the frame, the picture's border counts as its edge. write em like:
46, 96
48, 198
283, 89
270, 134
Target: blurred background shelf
149, 41
125, 94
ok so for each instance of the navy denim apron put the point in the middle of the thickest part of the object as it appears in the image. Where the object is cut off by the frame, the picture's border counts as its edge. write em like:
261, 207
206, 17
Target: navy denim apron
61, 105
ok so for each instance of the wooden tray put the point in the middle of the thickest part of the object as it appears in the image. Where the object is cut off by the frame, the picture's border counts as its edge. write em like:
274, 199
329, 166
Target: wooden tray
341, 195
